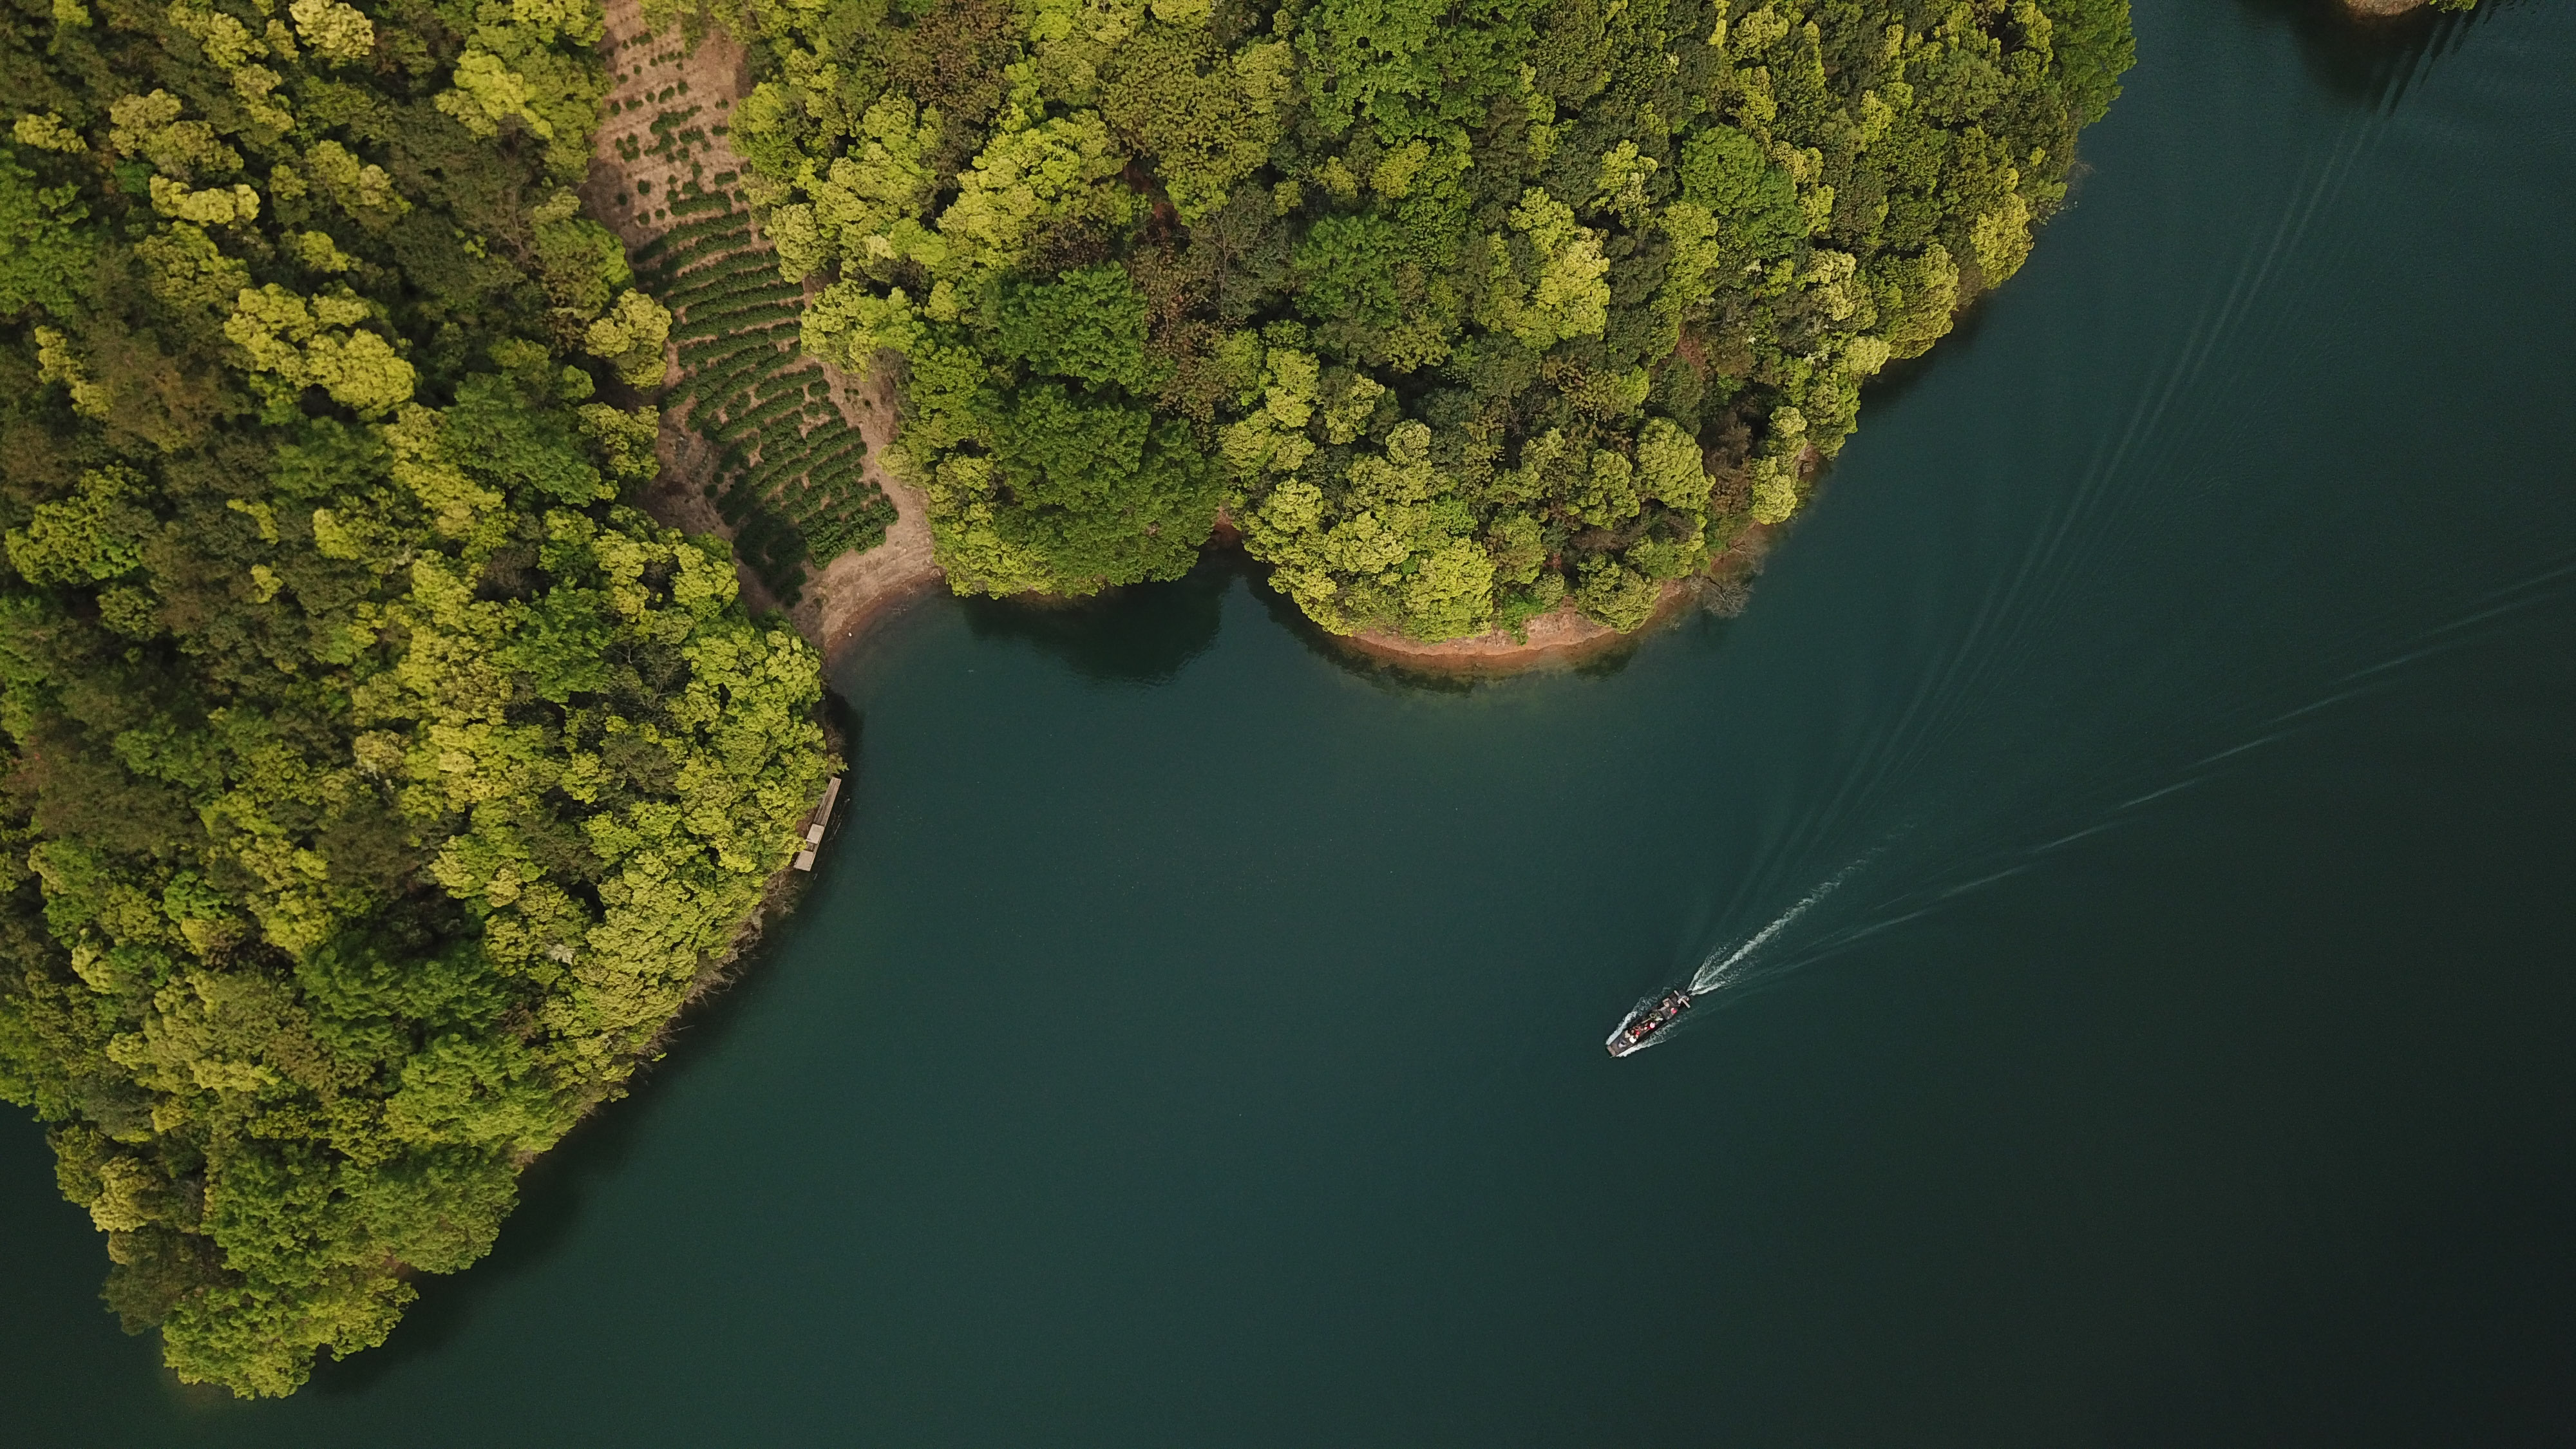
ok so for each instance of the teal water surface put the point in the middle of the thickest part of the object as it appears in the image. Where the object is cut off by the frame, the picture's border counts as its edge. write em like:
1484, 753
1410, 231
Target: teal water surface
1194, 1037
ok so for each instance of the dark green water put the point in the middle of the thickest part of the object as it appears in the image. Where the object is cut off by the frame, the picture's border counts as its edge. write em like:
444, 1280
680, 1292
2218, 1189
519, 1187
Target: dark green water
1196, 1040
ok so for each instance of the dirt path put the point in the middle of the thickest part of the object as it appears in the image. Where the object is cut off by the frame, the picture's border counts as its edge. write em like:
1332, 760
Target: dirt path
634, 170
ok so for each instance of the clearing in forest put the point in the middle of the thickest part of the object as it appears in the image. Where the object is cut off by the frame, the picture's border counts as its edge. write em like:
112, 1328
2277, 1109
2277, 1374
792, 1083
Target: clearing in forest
774, 452
791, 475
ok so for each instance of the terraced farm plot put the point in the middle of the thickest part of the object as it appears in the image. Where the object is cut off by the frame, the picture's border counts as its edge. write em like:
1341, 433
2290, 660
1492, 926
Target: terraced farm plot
790, 478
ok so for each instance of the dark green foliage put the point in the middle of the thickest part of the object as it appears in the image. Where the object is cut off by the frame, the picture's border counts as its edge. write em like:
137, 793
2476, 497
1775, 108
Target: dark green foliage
1724, 170
2093, 42
1033, 297
510, 438
1343, 274
373, 786
1088, 325
1062, 452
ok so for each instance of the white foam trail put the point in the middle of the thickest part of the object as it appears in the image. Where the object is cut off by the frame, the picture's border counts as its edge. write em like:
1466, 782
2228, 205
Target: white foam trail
1719, 969
1712, 972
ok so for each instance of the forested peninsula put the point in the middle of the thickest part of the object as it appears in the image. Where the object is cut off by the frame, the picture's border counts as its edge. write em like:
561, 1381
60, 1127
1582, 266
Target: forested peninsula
377, 782
1460, 312
381, 777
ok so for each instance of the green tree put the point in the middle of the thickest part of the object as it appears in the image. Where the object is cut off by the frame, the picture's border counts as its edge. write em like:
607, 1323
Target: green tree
44, 252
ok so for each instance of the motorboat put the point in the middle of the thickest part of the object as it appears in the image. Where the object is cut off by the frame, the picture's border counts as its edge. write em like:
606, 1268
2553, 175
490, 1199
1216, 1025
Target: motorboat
1642, 1025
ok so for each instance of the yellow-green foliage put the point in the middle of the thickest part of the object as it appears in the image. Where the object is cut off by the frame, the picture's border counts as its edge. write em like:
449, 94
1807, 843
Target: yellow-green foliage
381, 783
630, 337
938, 164
1469, 308
527, 65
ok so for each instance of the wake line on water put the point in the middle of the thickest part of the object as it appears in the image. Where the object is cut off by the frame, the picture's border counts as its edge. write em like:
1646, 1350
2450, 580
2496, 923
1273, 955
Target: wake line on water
1744, 965
1913, 906
1712, 973
2356, 679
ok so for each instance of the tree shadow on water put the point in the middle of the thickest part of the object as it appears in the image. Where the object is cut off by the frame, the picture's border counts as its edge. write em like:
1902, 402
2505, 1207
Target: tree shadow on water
556, 1189
1139, 634
2367, 61
1325, 645
1901, 376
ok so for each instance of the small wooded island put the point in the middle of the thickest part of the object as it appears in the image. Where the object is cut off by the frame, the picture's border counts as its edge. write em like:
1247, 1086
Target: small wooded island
390, 750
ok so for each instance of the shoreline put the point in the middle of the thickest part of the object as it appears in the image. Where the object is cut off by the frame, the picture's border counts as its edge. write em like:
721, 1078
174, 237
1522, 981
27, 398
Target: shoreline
1562, 637
842, 596
871, 586
855, 590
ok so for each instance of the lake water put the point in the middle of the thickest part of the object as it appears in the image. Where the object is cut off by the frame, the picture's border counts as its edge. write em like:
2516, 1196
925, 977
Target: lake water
1195, 1038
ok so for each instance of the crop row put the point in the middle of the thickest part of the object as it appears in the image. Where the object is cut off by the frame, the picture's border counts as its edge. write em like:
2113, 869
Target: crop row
746, 410
682, 244
821, 460
721, 380
703, 353
689, 235
706, 319
747, 426
791, 479
692, 203
781, 531
732, 364
718, 281
702, 345
729, 365
723, 269
724, 282
713, 237
783, 464
747, 266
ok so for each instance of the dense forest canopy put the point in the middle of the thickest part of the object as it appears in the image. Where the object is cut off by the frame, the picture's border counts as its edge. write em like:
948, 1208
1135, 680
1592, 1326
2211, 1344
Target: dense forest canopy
377, 783
1458, 308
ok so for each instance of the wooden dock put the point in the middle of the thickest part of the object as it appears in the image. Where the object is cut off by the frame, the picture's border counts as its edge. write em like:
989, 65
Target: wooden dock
814, 829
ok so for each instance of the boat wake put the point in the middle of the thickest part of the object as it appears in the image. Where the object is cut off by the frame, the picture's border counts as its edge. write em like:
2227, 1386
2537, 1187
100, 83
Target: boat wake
1652, 1019
1716, 972
1946, 845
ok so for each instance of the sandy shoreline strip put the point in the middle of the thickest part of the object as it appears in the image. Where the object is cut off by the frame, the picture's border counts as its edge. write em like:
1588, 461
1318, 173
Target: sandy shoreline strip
1560, 636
